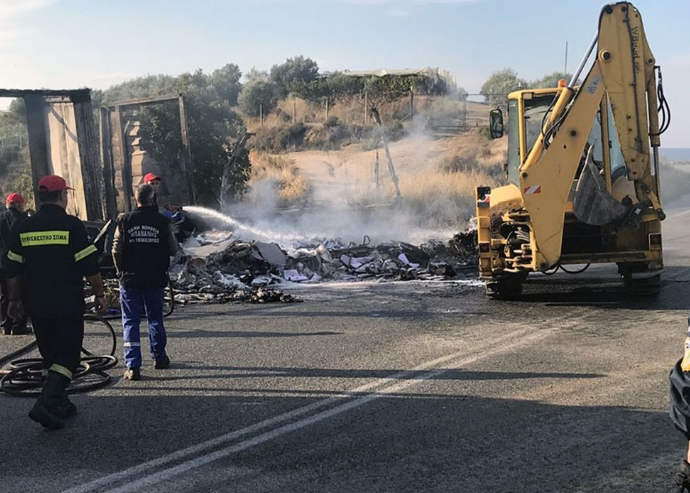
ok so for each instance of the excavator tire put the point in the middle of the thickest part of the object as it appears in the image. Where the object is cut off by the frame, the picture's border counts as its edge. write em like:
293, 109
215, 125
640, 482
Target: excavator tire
650, 286
507, 288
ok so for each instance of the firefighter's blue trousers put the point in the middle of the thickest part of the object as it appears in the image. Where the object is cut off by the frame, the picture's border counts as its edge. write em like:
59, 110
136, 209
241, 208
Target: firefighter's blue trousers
134, 301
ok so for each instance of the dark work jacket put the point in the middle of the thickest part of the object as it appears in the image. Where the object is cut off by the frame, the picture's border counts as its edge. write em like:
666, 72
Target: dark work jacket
142, 248
8, 219
52, 253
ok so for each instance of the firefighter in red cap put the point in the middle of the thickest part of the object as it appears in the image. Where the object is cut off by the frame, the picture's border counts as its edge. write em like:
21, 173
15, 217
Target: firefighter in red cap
154, 181
52, 253
10, 218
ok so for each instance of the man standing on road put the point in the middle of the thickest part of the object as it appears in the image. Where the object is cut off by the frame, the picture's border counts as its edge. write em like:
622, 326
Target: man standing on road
52, 254
10, 218
154, 181
142, 247
680, 408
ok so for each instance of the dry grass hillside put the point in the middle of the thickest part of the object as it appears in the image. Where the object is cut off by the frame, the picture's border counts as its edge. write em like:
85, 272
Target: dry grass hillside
437, 176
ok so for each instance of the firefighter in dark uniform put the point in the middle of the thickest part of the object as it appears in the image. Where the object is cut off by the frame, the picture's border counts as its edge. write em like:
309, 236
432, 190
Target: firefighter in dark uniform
50, 255
142, 247
9, 218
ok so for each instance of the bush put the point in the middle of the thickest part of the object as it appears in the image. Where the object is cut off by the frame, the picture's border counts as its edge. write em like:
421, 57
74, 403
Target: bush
257, 97
280, 139
332, 122
395, 132
459, 164
23, 183
331, 138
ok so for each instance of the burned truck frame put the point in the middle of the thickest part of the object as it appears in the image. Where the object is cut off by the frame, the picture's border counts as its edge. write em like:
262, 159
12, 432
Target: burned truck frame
63, 141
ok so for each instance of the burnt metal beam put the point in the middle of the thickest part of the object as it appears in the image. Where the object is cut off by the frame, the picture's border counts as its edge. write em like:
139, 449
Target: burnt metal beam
38, 145
146, 101
74, 95
187, 159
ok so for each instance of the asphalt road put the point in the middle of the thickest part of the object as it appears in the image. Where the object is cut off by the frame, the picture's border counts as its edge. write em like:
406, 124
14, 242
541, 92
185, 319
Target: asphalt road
397, 387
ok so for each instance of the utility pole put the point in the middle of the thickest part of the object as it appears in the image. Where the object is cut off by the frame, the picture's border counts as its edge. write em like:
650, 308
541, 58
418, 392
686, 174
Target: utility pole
565, 68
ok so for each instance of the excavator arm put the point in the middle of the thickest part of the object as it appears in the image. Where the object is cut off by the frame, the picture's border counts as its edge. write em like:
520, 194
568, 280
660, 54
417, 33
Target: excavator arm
623, 72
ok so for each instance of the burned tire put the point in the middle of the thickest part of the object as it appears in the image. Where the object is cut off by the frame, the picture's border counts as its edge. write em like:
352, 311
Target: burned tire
506, 288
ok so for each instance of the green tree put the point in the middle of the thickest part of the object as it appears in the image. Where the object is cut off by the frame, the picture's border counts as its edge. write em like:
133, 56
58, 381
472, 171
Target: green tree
329, 91
212, 124
551, 80
383, 90
226, 83
13, 121
255, 74
258, 96
141, 87
294, 71
500, 84
14, 143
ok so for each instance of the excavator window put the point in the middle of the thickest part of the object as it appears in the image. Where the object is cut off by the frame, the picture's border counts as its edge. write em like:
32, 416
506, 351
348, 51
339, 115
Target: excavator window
513, 141
536, 109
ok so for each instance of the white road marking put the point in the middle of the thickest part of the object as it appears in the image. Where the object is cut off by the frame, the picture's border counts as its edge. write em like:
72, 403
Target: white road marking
507, 342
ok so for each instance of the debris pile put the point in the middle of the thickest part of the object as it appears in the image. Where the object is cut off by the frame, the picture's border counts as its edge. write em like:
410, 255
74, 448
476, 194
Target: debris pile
217, 268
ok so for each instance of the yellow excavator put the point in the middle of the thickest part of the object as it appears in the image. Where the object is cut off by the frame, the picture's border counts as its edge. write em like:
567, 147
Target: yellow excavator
583, 167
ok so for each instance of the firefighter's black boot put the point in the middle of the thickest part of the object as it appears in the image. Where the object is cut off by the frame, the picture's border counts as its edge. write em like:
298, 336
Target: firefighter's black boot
683, 478
65, 408
51, 397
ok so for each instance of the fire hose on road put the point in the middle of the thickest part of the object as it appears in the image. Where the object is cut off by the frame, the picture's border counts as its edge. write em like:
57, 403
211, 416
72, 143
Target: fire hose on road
25, 377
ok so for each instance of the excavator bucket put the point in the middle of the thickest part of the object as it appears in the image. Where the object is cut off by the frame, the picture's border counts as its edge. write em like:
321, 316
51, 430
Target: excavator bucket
593, 204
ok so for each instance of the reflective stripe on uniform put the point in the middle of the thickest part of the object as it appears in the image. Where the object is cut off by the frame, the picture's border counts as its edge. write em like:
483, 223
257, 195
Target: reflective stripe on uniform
61, 370
15, 256
41, 238
132, 344
84, 253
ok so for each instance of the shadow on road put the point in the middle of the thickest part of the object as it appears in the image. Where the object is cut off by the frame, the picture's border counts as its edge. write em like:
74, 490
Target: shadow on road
248, 333
574, 291
459, 374
396, 443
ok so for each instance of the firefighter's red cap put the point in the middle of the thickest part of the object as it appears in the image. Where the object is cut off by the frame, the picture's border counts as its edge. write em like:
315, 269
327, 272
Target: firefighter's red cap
15, 198
149, 177
53, 183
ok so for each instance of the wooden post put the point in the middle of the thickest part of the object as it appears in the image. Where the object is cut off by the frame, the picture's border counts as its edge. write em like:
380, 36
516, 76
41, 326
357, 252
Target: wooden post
126, 170
366, 108
107, 160
261, 114
294, 109
464, 113
89, 159
327, 107
411, 104
187, 159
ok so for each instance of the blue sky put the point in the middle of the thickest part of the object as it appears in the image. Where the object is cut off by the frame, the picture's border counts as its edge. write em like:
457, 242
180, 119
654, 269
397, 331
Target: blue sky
96, 43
